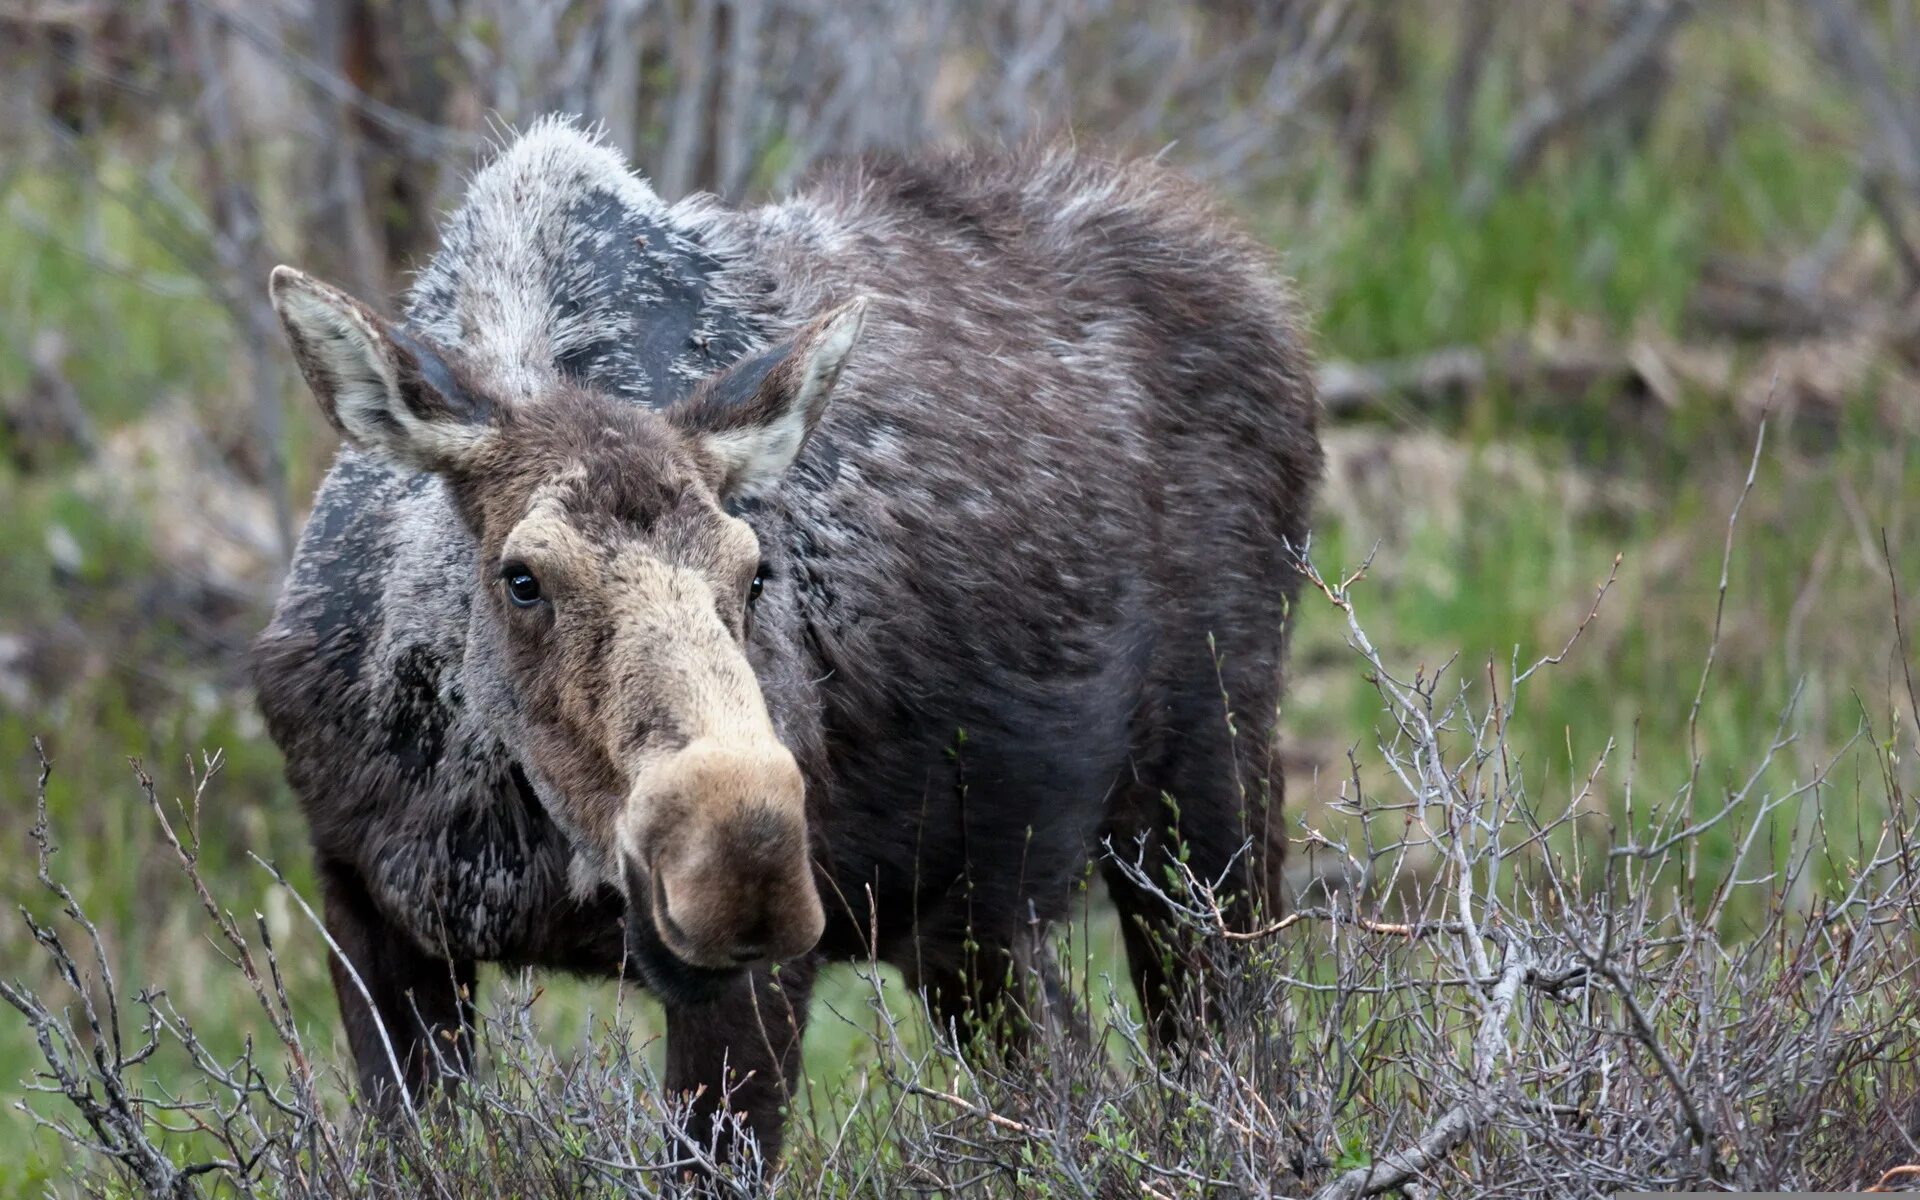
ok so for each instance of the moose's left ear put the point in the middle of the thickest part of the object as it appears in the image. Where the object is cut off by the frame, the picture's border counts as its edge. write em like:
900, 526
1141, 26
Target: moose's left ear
752, 418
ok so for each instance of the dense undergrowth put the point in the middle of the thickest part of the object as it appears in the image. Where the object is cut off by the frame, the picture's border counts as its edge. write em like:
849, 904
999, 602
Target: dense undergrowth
1511, 994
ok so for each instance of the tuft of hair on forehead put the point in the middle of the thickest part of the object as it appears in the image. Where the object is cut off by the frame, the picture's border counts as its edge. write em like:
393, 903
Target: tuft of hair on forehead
516, 283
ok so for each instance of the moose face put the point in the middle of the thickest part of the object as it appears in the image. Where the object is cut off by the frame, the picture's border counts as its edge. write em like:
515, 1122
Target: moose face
613, 595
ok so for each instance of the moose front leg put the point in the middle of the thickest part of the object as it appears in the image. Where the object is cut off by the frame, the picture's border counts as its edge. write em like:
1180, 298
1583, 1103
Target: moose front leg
739, 1053
423, 1003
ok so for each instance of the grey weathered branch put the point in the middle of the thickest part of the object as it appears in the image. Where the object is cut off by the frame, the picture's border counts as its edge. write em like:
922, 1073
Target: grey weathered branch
1433, 381
1477, 23
1551, 112
423, 138
1899, 141
90, 1071
1463, 1120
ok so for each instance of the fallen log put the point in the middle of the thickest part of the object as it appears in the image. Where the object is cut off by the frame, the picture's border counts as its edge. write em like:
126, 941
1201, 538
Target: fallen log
1444, 380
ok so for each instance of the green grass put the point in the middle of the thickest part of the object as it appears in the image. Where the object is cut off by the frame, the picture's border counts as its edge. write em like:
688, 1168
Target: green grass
1511, 578
1611, 235
95, 264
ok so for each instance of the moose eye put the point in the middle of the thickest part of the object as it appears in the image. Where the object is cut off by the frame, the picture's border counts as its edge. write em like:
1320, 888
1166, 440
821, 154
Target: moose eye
522, 588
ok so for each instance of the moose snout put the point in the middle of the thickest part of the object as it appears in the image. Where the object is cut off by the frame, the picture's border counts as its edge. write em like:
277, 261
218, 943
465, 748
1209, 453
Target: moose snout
729, 877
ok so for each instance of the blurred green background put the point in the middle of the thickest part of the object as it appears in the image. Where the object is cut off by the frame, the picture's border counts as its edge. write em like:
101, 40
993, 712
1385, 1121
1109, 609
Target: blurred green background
1560, 260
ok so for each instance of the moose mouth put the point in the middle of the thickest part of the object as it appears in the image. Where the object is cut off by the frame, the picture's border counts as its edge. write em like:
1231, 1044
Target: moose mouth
649, 959
672, 978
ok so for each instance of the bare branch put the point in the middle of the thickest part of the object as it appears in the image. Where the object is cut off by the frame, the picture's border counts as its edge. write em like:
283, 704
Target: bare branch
1550, 113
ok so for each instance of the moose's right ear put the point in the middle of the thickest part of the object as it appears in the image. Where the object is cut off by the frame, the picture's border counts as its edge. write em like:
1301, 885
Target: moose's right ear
385, 391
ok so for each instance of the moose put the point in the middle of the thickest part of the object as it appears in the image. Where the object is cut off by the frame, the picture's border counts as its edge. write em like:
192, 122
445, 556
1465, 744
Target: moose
704, 594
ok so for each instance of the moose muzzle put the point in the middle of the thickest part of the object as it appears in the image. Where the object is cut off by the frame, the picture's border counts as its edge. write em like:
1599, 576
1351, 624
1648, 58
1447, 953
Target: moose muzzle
721, 835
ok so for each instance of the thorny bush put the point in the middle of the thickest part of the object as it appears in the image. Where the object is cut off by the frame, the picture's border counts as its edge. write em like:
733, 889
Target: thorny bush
1490, 994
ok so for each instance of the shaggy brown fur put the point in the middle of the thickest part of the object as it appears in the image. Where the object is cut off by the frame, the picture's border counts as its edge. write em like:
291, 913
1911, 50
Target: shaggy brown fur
893, 547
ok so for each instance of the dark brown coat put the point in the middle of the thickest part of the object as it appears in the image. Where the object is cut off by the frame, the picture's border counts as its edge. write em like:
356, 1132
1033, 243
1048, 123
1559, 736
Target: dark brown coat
892, 549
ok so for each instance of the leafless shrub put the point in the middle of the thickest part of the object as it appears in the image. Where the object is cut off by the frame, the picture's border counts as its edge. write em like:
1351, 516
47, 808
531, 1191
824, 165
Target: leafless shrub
381, 108
1879, 68
1577, 1000
330, 132
1620, 68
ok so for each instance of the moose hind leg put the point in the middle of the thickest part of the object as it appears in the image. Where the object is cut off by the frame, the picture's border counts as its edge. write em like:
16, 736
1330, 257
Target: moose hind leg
1009, 994
739, 1053
421, 1003
1218, 816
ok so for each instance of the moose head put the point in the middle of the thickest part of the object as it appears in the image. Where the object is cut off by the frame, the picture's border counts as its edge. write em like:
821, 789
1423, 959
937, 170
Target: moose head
612, 597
